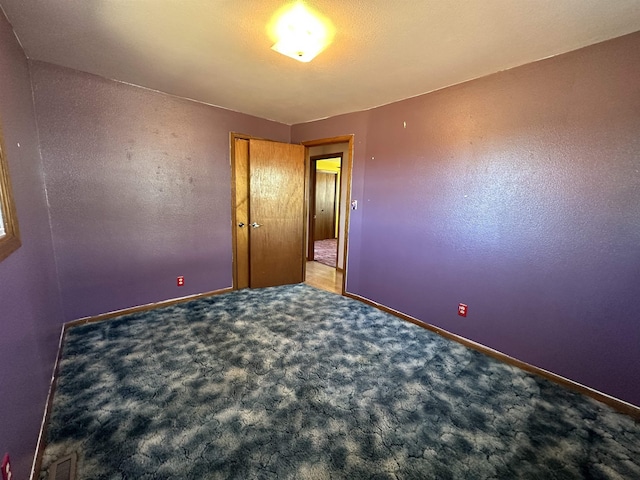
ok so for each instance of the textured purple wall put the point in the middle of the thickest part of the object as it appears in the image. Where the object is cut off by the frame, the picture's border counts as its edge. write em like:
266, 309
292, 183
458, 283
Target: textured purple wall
139, 189
518, 194
30, 312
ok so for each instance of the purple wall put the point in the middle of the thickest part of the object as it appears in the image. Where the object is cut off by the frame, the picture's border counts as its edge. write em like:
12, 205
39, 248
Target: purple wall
30, 312
139, 189
518, 194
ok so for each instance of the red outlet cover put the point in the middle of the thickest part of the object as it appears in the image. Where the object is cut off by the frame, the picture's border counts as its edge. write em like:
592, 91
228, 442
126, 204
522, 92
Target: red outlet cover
6, 468
180, 281
462, 309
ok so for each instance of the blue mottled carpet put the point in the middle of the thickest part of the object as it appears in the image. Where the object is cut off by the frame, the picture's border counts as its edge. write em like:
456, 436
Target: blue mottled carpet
295, 383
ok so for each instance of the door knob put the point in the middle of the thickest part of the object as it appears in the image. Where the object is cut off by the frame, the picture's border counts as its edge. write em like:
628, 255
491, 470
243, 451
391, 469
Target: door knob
255, 225
241, 224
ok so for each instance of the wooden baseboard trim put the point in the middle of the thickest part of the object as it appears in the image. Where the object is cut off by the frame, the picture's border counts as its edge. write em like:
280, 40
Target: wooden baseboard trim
41, 444
143, 308
615, 403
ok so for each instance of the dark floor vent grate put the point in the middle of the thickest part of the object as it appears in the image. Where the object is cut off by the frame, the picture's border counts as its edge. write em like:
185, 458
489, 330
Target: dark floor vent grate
64, 468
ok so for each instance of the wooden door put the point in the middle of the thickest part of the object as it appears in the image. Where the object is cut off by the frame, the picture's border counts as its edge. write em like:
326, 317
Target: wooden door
325, 221
276, 213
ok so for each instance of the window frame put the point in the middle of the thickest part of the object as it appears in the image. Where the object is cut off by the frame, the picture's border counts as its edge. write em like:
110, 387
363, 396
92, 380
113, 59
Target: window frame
10, 241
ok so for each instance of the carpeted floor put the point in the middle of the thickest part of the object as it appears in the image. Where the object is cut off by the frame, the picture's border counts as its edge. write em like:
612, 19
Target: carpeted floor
326, 251
296, 383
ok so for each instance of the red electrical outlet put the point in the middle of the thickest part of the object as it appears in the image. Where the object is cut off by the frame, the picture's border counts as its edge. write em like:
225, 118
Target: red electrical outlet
180, 281
6, 468
462, 309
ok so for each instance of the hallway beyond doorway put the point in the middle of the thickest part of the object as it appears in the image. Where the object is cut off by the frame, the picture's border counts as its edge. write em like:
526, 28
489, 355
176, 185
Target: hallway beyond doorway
324, 277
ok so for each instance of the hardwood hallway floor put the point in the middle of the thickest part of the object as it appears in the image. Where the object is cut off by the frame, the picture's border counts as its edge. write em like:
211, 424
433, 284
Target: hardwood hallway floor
324, 277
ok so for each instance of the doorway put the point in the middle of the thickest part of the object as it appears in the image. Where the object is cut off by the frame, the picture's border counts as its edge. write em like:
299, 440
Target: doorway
340, 149
325, 193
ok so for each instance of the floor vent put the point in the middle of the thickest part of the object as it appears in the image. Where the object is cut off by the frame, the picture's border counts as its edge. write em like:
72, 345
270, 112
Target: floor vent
64, 468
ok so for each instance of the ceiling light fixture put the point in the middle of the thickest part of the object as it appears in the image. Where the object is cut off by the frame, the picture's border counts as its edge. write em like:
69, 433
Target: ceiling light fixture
300, 33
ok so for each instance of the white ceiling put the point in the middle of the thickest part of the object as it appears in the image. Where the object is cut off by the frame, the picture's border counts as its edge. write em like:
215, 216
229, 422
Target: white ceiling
218, 51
